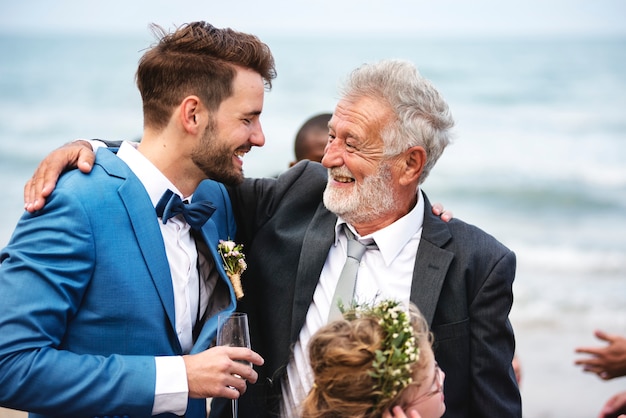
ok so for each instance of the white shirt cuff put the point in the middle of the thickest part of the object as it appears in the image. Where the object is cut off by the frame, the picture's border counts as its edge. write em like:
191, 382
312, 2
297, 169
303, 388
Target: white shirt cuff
95, 143
171, 391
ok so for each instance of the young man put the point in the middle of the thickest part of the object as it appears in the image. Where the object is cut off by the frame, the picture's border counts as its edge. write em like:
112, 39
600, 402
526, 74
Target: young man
109, 295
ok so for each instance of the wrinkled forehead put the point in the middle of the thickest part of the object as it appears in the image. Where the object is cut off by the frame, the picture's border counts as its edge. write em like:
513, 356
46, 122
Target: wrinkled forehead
360, 116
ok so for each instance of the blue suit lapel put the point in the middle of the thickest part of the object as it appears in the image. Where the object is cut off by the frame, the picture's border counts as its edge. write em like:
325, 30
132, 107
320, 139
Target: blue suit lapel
139, 209
207, 334
150, 240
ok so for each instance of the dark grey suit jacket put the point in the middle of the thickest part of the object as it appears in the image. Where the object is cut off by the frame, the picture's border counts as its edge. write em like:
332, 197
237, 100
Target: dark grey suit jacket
462, 283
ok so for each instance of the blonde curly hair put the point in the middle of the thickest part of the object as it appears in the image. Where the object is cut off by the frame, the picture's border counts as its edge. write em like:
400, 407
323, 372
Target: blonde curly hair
341, 356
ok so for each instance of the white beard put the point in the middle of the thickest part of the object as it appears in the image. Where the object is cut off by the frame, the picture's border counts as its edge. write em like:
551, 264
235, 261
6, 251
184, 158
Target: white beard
362, 202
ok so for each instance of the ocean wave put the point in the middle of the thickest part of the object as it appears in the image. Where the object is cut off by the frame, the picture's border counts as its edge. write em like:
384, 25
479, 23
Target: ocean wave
569, 260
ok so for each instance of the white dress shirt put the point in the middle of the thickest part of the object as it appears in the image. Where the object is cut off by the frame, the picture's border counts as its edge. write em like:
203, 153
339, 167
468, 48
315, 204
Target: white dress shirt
383, 273
190, 293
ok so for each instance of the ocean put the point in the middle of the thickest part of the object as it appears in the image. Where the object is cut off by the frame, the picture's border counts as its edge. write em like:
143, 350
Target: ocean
538, 160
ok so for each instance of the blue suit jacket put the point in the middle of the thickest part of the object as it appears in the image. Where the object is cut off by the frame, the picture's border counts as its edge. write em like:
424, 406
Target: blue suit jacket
86, 297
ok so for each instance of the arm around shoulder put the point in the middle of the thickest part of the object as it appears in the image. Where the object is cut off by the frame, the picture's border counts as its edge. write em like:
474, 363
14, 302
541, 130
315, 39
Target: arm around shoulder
77, 154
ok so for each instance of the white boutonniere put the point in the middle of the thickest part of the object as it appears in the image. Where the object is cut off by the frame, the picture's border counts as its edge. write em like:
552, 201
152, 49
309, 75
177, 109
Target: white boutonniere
234, 263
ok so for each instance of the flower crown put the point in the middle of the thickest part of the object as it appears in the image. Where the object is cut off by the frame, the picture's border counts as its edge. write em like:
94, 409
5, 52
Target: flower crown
399, 350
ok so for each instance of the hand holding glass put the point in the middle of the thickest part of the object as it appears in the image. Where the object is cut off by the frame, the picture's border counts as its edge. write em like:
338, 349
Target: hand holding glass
232, 331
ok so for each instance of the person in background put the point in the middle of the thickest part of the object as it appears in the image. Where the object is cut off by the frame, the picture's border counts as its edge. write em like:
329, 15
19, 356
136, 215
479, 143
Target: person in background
615, 407
311, 139
517, 369
375, 362
607, 362
109, 295
387, 132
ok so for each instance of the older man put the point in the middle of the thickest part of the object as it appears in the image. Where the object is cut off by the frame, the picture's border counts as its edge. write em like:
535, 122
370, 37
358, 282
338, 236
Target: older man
386, 134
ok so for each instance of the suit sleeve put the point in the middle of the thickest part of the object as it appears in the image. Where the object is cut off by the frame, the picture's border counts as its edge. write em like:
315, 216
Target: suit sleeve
494, 389
45, 272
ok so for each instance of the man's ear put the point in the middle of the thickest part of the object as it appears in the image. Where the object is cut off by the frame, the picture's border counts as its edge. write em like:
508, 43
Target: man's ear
414, 162
191, 114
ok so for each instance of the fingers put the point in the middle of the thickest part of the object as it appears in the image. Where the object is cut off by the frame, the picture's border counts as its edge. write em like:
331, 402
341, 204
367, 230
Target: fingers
588, 361
601, 335
589, 350
445, 215
604, 375
38, 188
244, 372
614, 406
596, 366
221, 372
86, 157
244, 355
437, 208
397, 412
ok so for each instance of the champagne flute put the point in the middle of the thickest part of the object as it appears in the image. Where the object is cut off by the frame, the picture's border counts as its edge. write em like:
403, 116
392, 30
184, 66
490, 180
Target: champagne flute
233, 331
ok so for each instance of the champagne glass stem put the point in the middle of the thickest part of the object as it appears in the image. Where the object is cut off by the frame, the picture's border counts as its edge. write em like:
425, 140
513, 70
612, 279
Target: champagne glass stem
232, 330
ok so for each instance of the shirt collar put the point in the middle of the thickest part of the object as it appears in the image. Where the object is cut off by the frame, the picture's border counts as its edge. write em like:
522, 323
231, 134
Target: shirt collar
392, 238
153, 180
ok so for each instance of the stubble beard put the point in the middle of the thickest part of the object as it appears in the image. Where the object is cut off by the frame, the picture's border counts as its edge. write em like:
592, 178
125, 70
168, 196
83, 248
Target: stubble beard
364, 202
216, 159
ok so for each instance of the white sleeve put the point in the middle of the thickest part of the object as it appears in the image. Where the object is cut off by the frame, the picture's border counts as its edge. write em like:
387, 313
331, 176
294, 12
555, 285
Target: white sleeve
171, 391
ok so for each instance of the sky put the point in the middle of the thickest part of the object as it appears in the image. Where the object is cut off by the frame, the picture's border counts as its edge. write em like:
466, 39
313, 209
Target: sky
325, 17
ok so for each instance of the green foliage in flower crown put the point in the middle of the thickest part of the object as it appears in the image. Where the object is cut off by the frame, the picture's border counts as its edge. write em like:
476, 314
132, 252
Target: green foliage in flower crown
392, 364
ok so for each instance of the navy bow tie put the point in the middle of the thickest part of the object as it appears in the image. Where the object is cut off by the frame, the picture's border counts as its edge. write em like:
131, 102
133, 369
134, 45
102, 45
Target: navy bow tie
196, 213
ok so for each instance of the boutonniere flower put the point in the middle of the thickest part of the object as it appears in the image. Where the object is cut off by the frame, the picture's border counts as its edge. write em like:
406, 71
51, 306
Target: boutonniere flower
234, 263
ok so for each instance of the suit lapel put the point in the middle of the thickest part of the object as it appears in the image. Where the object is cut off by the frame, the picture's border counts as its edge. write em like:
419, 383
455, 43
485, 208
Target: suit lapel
319, 236
150, 242
211, 239
431, 264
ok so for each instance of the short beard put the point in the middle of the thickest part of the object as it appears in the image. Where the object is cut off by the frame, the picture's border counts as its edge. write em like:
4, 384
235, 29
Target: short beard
365, 202
215, 159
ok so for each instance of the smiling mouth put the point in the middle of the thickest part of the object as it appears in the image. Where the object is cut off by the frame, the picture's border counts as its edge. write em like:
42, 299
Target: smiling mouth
240, 152
341, 175
343, 179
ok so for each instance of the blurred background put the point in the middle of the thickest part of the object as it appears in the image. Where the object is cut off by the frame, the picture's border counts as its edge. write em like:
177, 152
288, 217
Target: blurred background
537, 88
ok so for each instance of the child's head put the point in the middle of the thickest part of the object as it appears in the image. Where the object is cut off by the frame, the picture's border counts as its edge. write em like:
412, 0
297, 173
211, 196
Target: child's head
375, 358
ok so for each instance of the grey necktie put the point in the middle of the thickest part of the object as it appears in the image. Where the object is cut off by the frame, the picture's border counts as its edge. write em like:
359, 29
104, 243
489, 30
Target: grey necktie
344, 292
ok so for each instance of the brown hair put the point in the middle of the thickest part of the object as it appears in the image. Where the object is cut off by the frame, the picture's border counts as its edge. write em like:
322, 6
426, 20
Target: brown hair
196, 59
341, 355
